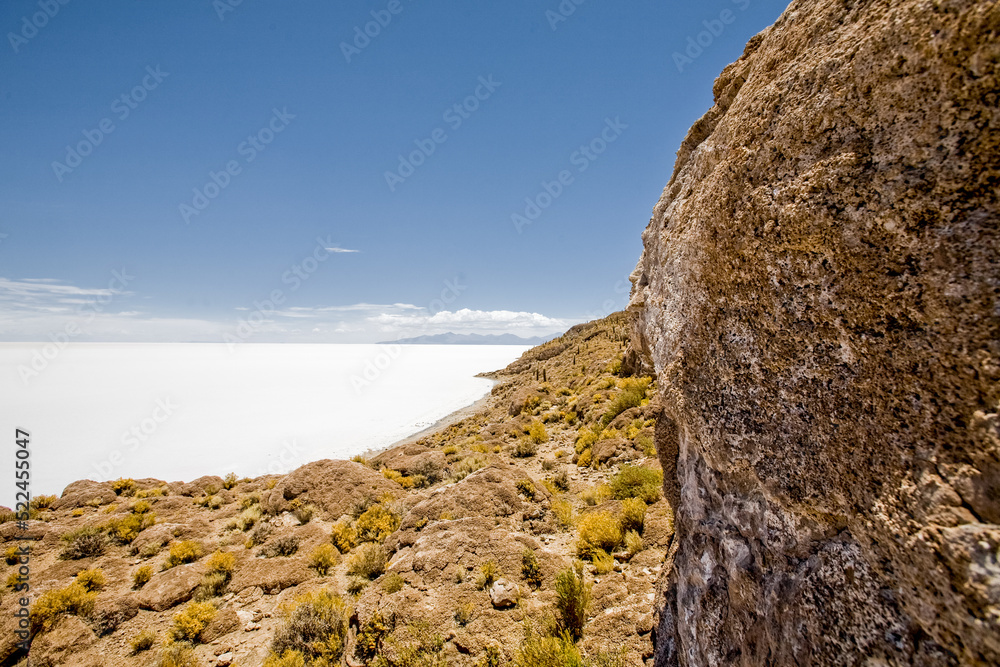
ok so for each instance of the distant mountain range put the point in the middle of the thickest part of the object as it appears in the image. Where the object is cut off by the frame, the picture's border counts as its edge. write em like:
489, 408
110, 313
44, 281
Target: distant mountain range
471, 339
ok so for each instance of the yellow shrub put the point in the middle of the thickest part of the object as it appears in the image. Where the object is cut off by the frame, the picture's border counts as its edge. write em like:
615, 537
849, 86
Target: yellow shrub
633, 515
597, 531
537, 432
368, 561
603, 561
221, 561
323, 558
290, 658
142, 576
585, 441
140, 507
187, 551
124, 487
125, 529
633, 543
343, 536
376, 524
74, 599
585, 459
596, 494
563, 510
92, 580
189, 623
143, 641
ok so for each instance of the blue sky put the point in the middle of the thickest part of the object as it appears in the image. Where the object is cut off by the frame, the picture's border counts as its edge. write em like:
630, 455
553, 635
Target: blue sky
177, 171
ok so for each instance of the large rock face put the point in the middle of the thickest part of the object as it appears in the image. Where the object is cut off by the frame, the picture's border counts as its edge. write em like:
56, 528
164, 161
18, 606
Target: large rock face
819, 296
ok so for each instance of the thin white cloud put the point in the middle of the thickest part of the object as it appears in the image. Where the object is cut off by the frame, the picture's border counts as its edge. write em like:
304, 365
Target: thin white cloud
35, 309
339, 249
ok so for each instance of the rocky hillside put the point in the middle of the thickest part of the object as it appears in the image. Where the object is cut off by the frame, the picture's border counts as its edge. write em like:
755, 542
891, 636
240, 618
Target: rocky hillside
457, 549
819, 296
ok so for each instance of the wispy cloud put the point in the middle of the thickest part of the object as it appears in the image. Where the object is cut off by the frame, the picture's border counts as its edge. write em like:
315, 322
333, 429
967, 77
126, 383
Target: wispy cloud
33, 308
339, 249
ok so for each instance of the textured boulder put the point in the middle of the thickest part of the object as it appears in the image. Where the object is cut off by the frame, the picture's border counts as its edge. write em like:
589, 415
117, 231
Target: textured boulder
83, 492
818, 294
413, 460
504, 594
170, 588
333, 486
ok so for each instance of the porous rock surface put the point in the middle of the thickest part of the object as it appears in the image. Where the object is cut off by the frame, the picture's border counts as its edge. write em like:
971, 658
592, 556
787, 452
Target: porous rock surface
818, 295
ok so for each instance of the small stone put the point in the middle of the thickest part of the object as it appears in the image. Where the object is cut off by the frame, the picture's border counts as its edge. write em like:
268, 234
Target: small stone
250, 627
225, 659
504, 594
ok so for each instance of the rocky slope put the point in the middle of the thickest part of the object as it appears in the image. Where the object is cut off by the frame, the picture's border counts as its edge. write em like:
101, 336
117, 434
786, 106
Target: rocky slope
819, 295
233, 570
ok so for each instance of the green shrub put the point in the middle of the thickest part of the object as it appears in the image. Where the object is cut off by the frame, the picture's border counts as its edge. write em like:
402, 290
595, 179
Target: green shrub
249, 500
525, 447
259, 534
491, 657
560, 481
304, 513
41, 502
637, 482
323, 558
370, 637
92, 580
187, 551
466, 467
283, 546
572, 600
188, 624
376, 524
178, 654
83, 543
368, 561
463, 613
316, 627
143, 641
541, 651
487, 574
530, 569
51, 605
597, 531
343, 536
633, 393
142, 576
392, 583
527, 488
